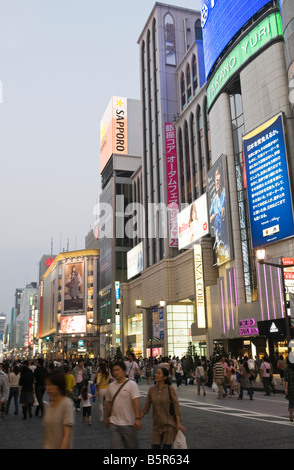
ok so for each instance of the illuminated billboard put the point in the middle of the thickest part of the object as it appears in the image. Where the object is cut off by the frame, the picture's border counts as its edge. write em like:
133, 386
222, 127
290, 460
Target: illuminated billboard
114, 130
268, 184
219, 211
265, 31
193, 223
73, 286
70, 324
221, 21
135, 261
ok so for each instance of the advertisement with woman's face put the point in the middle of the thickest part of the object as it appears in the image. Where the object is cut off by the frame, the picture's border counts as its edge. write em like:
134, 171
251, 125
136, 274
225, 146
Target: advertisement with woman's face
73, 286
218, 209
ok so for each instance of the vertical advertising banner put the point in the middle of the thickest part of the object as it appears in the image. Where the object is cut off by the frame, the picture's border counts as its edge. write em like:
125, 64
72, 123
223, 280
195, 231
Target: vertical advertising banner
268, 184
114, 130
219, 211
158, 325
172, 183
73, 286
199, 287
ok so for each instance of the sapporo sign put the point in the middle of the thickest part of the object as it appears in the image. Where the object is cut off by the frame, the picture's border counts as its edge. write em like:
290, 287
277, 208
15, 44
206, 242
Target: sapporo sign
267, 30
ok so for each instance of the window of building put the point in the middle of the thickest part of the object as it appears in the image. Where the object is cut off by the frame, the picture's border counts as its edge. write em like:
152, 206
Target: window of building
195, 75
188, 171
198, 30
189, 87
170, 40
183, 90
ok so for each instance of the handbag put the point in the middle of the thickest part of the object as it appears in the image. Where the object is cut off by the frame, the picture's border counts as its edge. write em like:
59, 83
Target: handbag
171, 404
180, 441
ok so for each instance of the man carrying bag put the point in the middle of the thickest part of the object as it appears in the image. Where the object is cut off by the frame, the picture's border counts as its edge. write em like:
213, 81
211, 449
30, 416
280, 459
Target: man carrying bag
122, 410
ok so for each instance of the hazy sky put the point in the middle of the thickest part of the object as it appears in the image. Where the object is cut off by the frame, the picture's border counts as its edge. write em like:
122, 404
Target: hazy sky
60, 63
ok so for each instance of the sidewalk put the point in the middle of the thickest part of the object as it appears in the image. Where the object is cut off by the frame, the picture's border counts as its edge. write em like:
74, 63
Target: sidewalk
258, 385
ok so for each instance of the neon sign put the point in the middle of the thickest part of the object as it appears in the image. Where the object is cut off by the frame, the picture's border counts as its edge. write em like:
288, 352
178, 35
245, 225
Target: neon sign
247, 327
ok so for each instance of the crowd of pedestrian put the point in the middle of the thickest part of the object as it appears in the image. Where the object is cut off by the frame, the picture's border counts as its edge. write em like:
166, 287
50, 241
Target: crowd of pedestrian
72, 387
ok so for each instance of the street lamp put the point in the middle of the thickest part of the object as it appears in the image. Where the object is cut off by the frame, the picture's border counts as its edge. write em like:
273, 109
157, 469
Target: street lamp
150, 317
260, 255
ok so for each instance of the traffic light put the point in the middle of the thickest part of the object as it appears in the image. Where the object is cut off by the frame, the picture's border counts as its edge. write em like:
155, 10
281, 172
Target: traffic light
47, 338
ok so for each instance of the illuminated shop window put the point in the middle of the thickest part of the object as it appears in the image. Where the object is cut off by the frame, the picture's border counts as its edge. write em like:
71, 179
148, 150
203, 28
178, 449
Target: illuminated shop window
179, 321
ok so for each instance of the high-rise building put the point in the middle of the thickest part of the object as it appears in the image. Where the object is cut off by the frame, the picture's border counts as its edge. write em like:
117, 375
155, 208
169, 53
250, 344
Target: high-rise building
172, 82
120, 157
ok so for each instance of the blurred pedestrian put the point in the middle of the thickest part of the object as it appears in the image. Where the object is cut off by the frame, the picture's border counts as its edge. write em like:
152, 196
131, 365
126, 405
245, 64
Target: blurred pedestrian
244, 379
281, 368
219, 377
39, 376
13, 378
266, 375
70, 382
122, 410
148, 369
179, 373
58, 421
4, 390
200, 378
26, 389
81, 378
85, 398
102, 380
289, 387
163, 399
234, 384
132, 369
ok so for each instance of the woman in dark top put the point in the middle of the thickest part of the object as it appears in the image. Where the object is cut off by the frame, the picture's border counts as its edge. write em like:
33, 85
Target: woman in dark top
26, 389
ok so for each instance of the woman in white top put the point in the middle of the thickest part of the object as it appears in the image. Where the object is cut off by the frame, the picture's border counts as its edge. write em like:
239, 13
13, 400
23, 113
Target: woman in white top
13, 377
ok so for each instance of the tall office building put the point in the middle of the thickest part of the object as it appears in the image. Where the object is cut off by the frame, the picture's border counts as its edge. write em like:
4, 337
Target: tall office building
164, 41
120, 157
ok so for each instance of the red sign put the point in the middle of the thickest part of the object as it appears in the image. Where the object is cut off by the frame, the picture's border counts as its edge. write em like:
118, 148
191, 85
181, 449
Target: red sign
172, 183
49, 261
288, 272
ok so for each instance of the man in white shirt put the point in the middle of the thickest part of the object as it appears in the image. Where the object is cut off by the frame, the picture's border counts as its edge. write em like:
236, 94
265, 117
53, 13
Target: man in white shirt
122, 416
132, 368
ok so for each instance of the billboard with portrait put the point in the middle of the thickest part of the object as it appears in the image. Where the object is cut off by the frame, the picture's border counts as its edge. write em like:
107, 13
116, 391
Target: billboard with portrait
70, 324
193, 223
219, 211
73, 286
268, 183
221, 21
135, 261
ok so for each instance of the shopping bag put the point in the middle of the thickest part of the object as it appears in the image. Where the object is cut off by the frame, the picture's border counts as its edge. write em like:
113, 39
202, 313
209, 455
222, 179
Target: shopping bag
93, 391
180, 441
214, 387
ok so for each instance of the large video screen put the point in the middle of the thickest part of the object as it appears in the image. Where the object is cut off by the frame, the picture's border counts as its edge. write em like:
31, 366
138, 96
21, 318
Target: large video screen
268, 184
221, 21
70, 324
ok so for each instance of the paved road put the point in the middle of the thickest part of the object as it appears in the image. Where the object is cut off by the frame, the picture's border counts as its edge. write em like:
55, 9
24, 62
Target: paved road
210, 423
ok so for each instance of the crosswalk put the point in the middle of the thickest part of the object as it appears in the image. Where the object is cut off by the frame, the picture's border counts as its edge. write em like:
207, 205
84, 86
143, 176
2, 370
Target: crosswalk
232, 411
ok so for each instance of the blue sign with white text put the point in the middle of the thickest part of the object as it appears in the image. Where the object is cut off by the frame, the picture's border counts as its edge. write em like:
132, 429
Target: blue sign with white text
268, 184
221, 20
